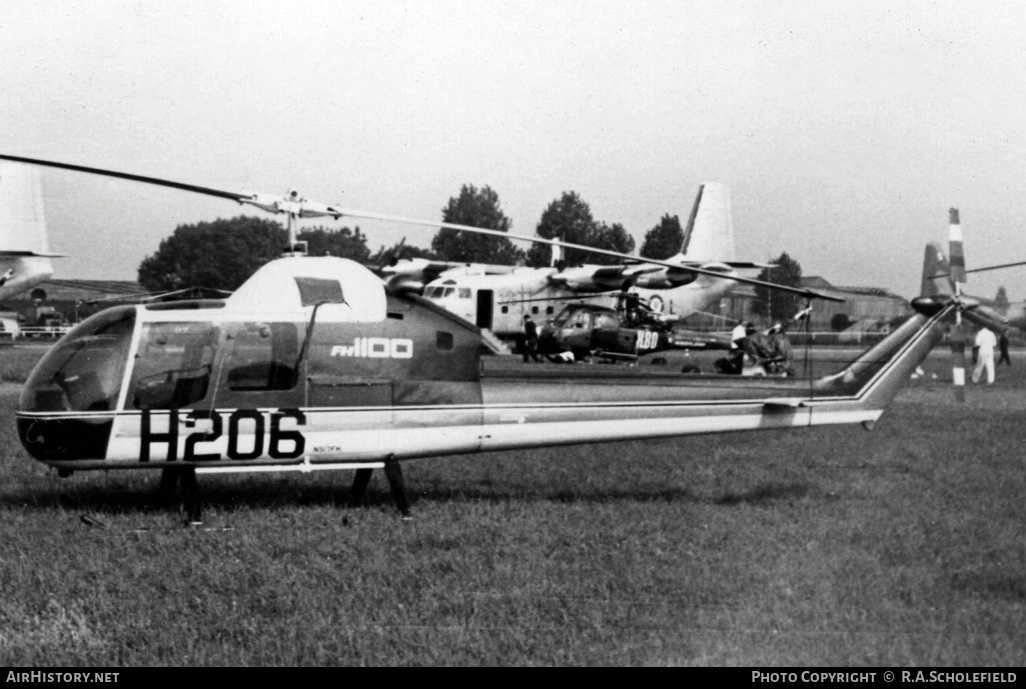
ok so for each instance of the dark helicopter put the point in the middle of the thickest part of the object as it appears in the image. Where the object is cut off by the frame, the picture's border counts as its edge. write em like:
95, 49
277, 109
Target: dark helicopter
590, 331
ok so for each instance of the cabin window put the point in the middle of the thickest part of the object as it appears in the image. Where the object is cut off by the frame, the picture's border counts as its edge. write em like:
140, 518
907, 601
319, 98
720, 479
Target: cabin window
264, 357
173, 365
464, 293
443, 340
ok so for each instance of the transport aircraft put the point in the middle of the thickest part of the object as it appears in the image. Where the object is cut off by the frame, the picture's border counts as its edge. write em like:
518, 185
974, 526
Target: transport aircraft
312, 364
24, 253
499, 301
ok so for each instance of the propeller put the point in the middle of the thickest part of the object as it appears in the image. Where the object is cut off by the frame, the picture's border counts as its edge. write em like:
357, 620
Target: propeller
956, 257
295, 206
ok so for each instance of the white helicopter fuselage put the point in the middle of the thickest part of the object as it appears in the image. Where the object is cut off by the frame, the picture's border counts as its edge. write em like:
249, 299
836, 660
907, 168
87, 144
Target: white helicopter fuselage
310, 366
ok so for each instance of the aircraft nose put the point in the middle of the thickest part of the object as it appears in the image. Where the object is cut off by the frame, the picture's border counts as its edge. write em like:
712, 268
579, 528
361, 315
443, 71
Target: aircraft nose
56, 439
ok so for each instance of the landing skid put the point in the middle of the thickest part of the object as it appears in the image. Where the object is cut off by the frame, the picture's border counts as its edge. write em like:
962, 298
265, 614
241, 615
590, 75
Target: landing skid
172, 477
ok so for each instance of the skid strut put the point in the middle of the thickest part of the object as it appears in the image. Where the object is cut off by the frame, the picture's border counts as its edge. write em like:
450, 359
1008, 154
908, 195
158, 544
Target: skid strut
394, 474
170, 478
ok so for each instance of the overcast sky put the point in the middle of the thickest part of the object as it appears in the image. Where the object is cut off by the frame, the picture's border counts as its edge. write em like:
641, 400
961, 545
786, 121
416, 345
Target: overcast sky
845, 130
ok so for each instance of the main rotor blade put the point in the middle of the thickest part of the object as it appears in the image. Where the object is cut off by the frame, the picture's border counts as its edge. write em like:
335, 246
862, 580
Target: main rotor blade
130, 177
982, 270
1003, 265
322, 210
605, 252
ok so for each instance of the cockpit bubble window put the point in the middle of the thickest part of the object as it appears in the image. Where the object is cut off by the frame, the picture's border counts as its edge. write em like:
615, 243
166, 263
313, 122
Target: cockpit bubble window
606, 321
582, 319
83, 371
173, 365
560, 320
264, 357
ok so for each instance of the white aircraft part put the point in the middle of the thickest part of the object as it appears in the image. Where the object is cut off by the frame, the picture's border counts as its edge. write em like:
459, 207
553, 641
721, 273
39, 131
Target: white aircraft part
357, 448
712, 235
21, 273
274, 288
22, 223
955, 232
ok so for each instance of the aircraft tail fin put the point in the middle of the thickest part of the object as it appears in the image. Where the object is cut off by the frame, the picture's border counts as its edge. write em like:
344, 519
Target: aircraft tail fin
936, 272
709, 235
22, 223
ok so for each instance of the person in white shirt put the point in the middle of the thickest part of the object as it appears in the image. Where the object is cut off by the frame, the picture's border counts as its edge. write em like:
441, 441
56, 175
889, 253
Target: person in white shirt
738, 334
985, 343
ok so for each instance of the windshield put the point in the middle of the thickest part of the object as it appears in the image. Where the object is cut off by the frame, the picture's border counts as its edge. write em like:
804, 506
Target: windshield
83, 371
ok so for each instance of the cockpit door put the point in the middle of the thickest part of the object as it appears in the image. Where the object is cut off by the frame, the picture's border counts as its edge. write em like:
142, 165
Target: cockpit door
485, 307
260, 367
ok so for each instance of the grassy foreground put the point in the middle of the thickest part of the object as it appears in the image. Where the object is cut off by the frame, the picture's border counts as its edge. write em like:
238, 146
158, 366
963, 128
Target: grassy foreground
904, 546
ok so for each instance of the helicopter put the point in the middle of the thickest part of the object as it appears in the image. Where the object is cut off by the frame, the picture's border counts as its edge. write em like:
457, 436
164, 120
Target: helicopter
588, 331
312, 364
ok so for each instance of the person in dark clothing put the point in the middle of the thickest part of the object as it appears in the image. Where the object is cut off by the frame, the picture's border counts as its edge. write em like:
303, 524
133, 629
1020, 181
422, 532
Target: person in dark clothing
530, 339
1003, 345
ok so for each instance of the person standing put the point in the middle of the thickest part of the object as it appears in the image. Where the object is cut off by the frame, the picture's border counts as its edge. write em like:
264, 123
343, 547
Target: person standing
530, 339
1003, 346
985, 344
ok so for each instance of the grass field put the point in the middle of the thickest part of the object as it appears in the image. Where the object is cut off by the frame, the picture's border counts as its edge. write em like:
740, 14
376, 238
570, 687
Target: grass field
904, 546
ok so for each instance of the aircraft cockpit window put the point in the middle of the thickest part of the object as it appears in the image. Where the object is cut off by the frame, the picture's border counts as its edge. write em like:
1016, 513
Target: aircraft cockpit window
264, 357
83, 371
432, 292
448, 291
606, 321
173, 365
560, 320
464, 293
581, 320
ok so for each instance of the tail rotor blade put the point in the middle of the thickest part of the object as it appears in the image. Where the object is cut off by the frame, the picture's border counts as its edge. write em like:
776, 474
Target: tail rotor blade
958, 361
956, 252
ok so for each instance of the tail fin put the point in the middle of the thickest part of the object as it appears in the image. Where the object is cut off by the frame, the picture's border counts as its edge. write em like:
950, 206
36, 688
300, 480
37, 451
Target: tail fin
709, 235
22, 224
936, 272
